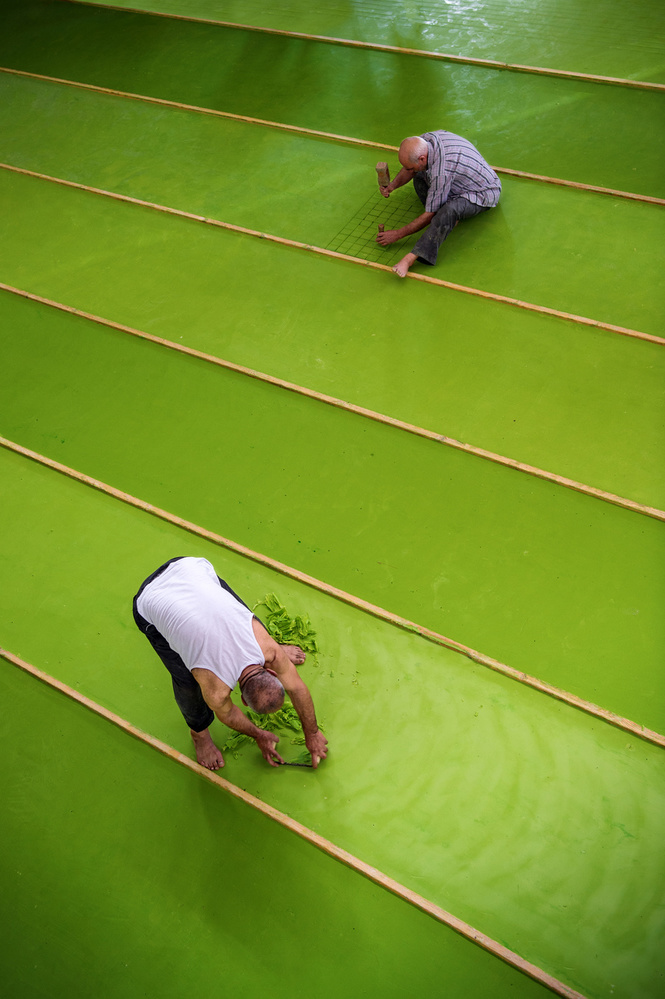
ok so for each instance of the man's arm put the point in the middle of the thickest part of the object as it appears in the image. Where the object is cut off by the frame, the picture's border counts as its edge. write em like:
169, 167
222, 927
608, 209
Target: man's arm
301, 699
392, 235
297, 690
218, 697
402, 178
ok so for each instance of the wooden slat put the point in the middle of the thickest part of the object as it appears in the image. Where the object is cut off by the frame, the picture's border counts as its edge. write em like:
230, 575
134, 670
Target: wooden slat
282, 240
332, 591
318, 134
329, 400
565, 74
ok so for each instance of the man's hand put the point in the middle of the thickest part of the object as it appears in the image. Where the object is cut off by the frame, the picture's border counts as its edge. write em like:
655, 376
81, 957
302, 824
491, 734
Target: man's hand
392, 235
318, 747
388, 237
387, 190
266, 741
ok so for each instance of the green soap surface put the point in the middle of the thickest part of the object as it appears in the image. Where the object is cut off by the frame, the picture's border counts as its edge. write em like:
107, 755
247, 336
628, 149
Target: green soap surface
569, 399
143, 877
563, 586
235, 173
540, 825
532, 821
575, 35
560, 128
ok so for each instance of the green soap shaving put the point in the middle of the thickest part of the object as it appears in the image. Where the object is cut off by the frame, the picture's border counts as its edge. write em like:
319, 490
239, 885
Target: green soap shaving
288, 630
285, 718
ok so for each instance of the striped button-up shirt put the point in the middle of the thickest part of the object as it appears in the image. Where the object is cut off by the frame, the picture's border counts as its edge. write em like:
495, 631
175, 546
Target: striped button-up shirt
455, 169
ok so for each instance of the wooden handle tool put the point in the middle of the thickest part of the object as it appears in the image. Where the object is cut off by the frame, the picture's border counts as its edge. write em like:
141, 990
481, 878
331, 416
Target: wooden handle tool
382, 174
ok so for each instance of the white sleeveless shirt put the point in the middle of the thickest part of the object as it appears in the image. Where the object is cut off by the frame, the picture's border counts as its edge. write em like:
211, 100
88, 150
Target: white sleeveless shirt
201, 621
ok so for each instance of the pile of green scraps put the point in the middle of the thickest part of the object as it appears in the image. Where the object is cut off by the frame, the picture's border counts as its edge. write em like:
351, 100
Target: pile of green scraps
287, 631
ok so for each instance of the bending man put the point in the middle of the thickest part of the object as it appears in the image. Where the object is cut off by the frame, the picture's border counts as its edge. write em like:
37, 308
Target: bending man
453, 182
209, 640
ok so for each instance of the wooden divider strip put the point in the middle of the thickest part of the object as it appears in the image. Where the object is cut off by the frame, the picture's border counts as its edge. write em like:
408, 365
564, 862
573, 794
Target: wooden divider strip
519, 466
394, 49
283, 241
146, 98
578, 186
297, 828
316, 133
332, 591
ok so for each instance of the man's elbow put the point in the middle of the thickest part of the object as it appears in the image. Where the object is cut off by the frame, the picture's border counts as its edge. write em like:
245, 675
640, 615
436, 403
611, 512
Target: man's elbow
222, 706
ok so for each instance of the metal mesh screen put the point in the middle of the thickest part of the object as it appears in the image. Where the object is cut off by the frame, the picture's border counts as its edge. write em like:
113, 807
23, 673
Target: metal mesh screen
358, 236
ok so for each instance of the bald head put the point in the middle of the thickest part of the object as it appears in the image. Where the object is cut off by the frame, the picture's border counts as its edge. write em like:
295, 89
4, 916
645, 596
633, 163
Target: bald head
263, 693
413, 153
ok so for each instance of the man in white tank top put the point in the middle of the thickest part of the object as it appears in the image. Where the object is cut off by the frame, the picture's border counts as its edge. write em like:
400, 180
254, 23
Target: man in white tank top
209, 640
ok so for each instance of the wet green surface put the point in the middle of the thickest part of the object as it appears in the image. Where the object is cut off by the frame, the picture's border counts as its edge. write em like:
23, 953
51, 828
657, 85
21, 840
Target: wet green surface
169, 878
535, 823
560, 34
228, 171
571, 400
555, 127
405, 523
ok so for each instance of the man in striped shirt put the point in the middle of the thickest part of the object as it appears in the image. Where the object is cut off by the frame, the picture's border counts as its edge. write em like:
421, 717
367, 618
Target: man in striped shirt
453, 182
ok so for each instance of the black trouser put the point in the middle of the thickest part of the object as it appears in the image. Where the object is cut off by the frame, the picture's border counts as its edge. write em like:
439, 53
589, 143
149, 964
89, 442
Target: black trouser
187, 692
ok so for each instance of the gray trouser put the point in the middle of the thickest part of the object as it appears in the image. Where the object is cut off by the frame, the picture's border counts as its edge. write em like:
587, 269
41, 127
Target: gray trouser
443, 223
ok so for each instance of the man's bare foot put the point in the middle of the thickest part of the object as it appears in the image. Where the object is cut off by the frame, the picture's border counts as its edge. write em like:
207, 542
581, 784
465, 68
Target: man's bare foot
401, 268
207, 753
295, 654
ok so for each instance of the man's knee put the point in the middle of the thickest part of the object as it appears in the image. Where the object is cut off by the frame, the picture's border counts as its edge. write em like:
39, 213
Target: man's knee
467, 209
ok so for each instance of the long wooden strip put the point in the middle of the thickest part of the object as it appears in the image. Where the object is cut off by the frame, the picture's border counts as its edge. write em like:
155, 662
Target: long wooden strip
316, 133
350, 407
299, 129
395, 49
592, 188
504, 299
298, 829
332, 591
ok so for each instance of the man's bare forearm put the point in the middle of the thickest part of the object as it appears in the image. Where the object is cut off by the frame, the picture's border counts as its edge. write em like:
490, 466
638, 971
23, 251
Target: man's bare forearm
304, 705
315, 740
393, 235
237, 720
301, 699
420, 223
402, 178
